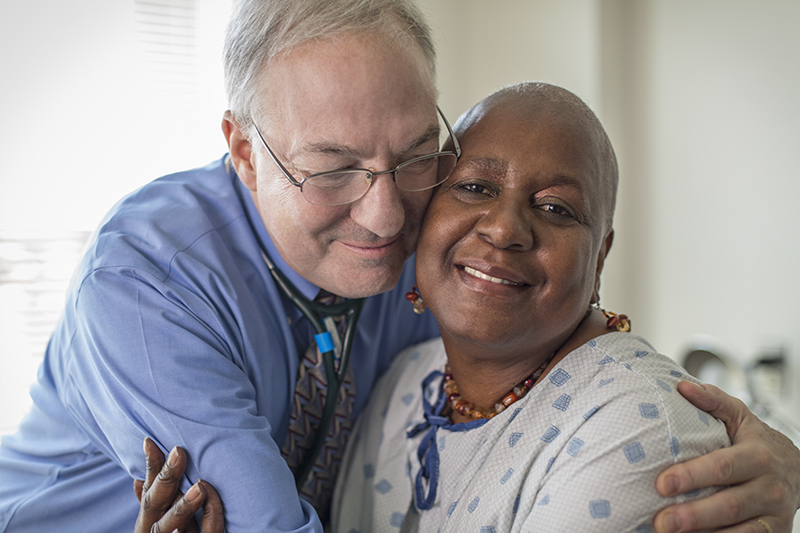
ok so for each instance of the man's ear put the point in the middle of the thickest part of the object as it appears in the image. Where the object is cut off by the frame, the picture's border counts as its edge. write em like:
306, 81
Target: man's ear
240, 149
601, 257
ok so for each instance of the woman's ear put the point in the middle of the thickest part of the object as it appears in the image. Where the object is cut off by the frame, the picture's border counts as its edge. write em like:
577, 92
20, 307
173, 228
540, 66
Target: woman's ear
240, 149
601, 257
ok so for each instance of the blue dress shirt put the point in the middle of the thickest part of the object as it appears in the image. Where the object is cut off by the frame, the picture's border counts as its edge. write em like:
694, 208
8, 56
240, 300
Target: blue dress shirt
174, 329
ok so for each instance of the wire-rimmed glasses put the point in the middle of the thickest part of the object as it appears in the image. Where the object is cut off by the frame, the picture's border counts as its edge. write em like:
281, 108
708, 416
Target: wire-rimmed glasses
339, 187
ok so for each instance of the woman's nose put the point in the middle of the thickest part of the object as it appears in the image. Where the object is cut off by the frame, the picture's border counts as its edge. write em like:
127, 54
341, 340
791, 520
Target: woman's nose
507, 225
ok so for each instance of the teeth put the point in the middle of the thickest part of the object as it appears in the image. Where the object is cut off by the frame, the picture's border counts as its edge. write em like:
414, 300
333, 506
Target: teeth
479, 274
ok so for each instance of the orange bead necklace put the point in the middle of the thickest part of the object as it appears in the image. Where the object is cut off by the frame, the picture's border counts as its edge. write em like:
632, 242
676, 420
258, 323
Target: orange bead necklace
461, 406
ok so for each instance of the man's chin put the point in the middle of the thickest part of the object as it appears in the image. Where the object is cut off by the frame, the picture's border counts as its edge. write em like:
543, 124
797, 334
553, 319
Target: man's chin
365, 282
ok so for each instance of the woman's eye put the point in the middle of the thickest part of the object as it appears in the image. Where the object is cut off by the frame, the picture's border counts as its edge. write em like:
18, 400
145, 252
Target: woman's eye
471, 191
473, 188
557, 210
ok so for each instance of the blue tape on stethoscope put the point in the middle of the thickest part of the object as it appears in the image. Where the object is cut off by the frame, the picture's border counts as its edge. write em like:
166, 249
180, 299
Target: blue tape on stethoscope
324, 341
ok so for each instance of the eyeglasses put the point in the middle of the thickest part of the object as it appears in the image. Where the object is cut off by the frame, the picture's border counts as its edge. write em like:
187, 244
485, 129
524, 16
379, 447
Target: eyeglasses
339, 187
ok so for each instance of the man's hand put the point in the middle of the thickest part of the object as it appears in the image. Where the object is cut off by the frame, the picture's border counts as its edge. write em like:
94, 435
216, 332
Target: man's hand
762, 468
164, 508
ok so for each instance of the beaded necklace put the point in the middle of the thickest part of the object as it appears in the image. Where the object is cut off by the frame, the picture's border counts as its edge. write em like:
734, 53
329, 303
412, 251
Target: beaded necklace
461, 406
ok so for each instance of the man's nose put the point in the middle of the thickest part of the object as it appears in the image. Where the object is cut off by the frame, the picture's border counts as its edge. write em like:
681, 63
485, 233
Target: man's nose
381, 209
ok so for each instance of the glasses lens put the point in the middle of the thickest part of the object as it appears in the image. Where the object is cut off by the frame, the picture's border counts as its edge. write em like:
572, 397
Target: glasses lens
336, 188
425, 172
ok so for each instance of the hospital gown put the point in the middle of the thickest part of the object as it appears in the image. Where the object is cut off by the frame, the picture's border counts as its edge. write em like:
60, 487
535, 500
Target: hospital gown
580, 452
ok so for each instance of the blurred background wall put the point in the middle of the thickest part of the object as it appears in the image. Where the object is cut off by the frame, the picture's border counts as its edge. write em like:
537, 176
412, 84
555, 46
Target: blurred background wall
698, 97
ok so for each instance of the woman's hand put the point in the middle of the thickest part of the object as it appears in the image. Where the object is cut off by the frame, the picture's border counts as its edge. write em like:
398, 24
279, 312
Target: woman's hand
164, 508
762, 468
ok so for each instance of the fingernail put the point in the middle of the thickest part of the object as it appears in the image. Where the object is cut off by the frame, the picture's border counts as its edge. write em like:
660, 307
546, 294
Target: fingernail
671, 485
193, 493
173, 457
672, 523
144, 445
700, 386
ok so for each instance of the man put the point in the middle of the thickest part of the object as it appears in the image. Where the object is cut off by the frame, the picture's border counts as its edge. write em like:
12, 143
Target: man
176, 329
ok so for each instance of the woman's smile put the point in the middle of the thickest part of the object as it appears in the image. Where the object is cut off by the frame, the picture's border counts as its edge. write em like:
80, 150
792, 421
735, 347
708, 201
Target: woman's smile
492, 279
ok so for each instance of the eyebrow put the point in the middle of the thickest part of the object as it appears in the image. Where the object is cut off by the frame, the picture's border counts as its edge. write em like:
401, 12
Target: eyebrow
335, 149
486, 164
498, 169
569, 181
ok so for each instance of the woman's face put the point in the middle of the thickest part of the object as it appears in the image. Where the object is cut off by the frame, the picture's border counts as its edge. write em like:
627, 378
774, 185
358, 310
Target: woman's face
513, 243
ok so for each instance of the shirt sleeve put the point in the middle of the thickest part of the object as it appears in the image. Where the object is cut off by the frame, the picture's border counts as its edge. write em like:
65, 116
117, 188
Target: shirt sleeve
152, 360
603, 478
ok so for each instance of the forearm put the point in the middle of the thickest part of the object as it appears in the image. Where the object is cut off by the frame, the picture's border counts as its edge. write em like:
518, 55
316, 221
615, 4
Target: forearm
152, 369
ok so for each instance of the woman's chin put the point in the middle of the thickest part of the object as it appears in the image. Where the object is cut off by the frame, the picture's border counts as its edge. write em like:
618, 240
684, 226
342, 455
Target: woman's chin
493, 338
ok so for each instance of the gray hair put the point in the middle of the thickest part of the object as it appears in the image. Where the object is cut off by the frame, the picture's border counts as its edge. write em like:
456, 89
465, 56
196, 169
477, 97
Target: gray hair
259, 30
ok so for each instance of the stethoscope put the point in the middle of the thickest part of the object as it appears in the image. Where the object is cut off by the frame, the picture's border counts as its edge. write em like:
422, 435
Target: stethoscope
335, 351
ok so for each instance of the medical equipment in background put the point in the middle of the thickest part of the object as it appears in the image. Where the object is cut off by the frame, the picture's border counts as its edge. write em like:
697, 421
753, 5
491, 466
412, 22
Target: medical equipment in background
759, 385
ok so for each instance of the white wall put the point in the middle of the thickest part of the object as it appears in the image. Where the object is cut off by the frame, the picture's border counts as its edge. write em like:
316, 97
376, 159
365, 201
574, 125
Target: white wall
729, 203
715, 127
82, 122
484, 46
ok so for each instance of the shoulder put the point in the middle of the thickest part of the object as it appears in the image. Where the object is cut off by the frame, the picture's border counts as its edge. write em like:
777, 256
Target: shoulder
412, 365
190, 215
180, 246
619, 368
629, 362
615, 421
626, 356
615, 391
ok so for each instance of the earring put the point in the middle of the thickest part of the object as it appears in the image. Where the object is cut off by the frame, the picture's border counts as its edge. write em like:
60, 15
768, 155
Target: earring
414, 297
614, 321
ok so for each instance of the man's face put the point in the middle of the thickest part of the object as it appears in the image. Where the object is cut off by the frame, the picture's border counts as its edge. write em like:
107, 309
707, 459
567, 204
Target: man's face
350, 102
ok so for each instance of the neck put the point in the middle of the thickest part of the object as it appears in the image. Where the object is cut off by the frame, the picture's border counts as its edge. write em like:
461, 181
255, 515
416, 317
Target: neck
484, 375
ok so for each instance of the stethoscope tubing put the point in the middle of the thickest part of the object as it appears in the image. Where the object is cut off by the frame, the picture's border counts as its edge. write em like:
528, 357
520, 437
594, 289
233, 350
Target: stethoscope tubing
335, 376
315, 312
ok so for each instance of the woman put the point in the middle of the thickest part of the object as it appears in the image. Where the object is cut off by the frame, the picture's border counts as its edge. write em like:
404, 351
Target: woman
535, 410
509, 263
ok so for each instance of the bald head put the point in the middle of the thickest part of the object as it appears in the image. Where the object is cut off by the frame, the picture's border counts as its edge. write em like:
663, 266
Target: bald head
533, 101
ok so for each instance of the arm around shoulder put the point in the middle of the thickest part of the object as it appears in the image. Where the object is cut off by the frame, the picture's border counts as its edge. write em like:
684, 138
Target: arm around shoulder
604, 478
149, 367
762, 468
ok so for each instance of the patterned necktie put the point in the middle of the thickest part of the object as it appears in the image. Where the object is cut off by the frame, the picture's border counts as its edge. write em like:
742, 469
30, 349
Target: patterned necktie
307, 406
